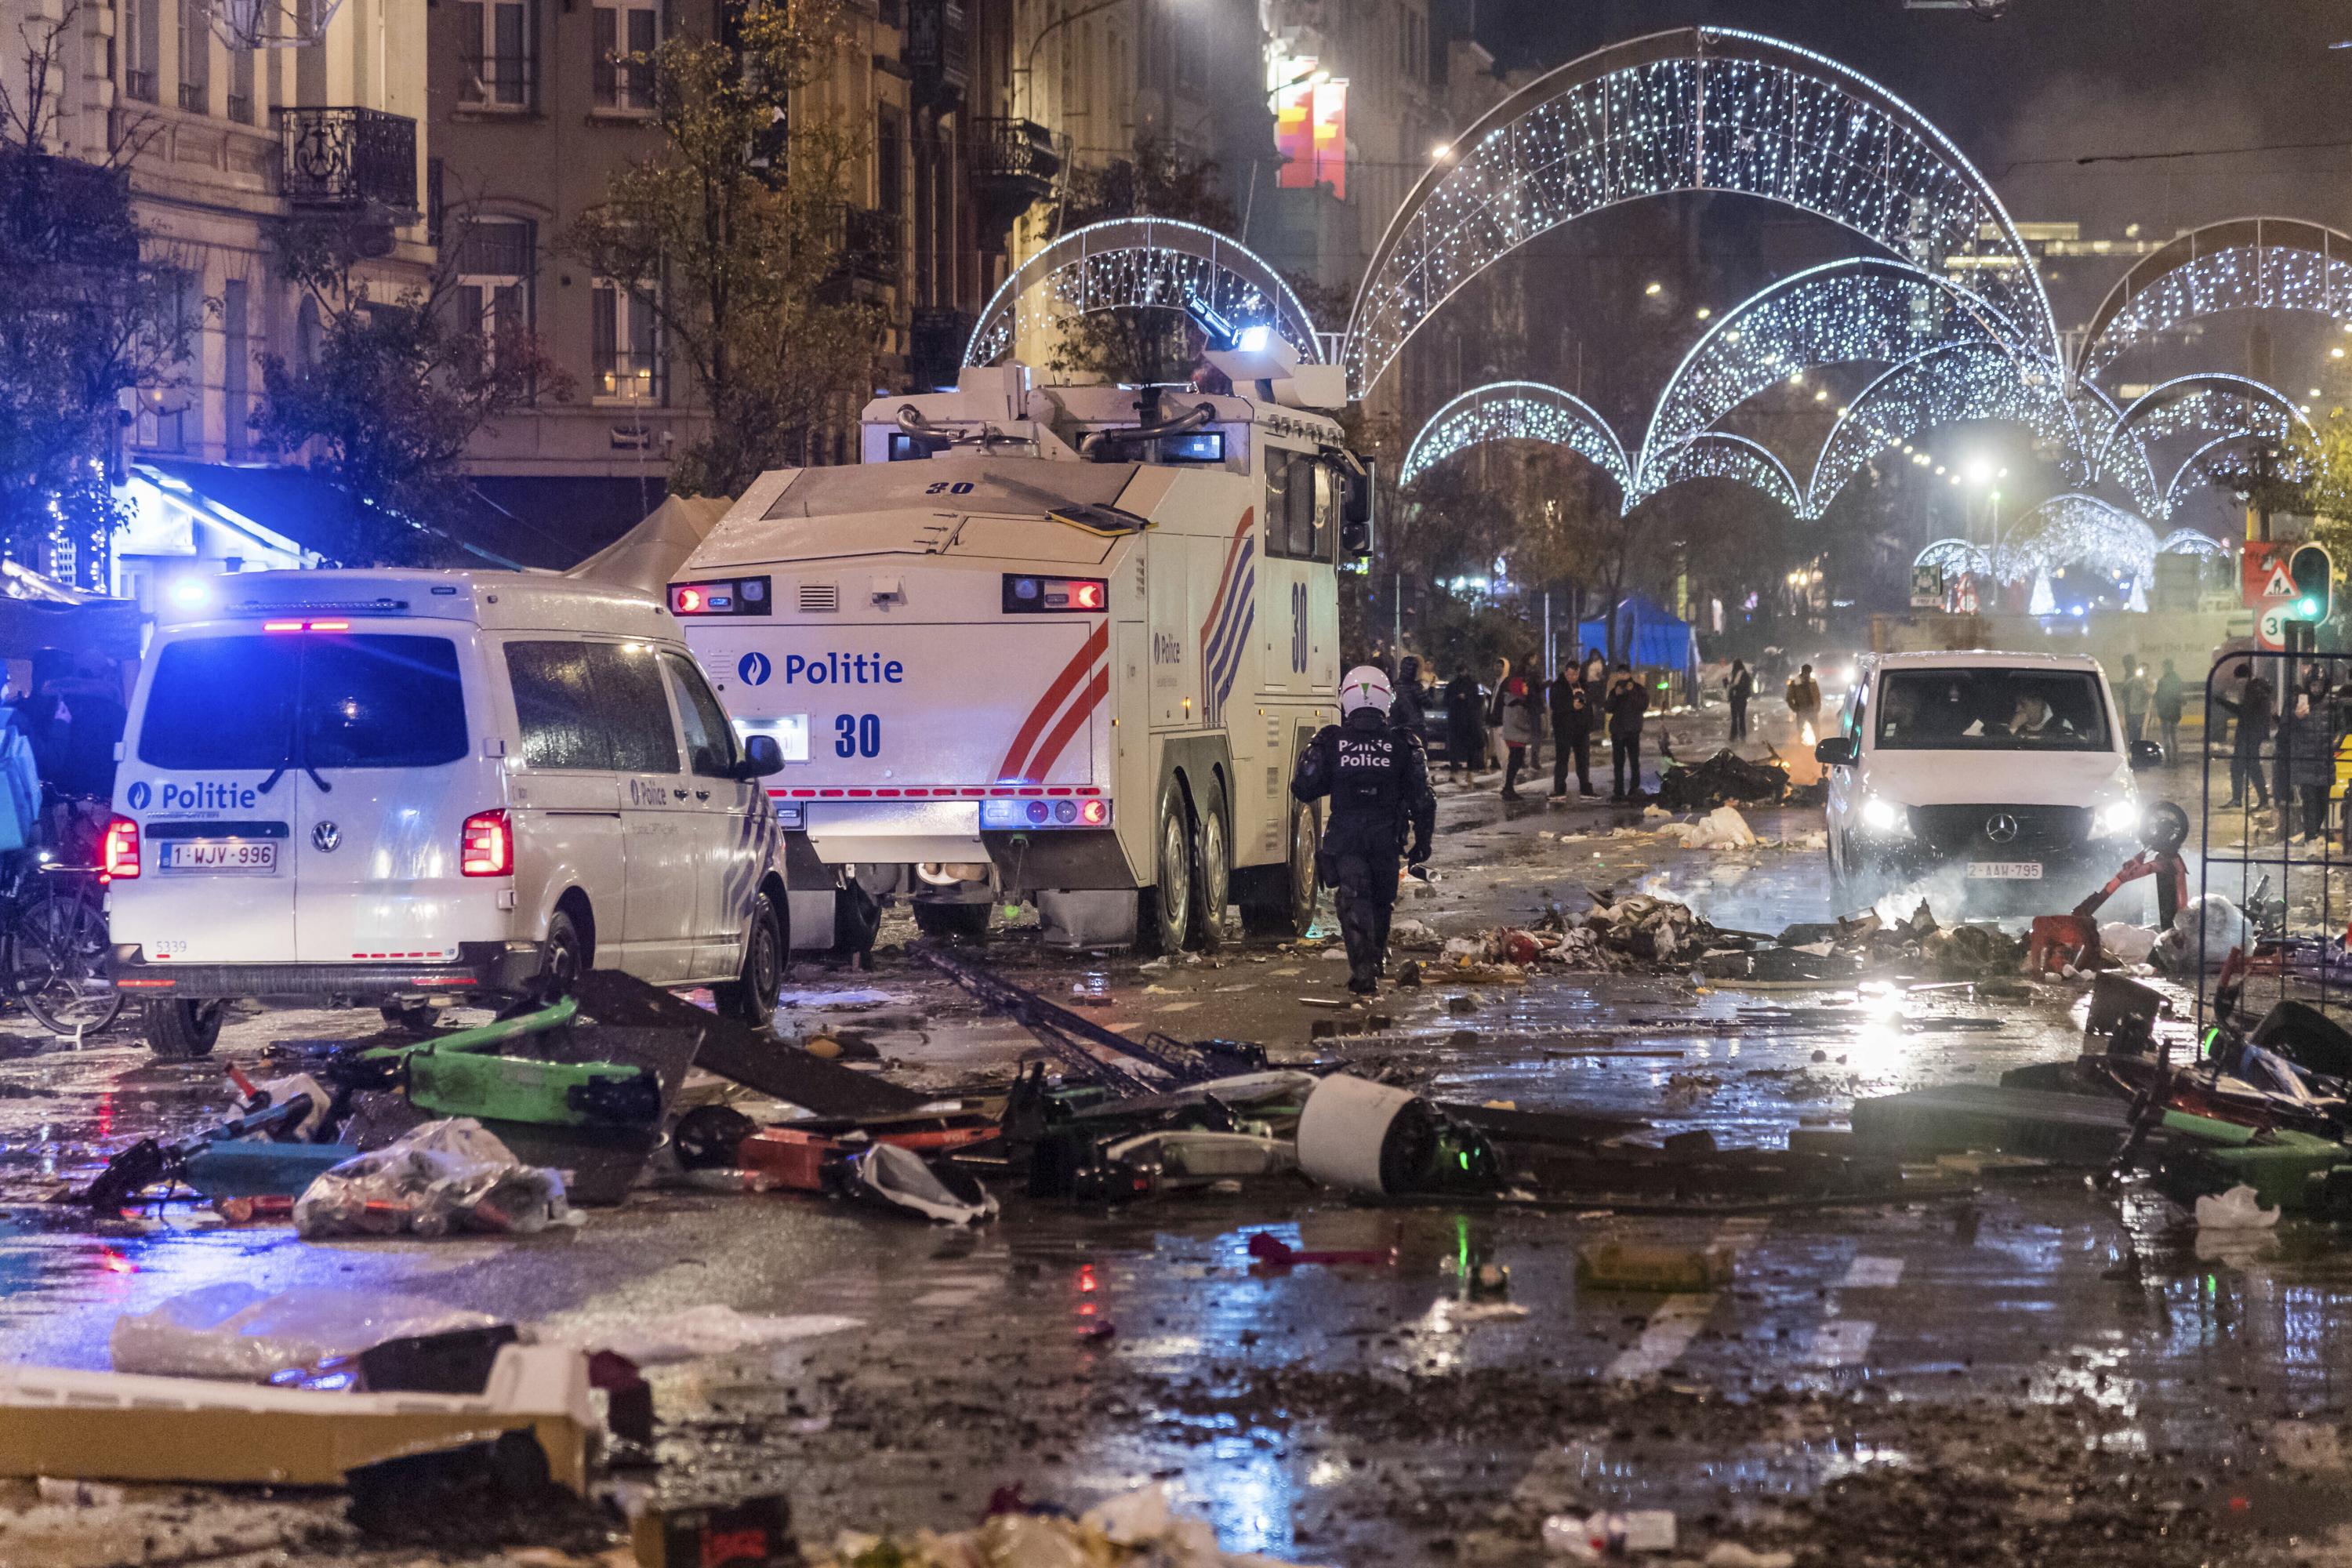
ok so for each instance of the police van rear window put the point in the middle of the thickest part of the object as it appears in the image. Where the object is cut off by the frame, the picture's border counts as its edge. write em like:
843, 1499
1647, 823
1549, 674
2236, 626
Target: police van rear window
305, 700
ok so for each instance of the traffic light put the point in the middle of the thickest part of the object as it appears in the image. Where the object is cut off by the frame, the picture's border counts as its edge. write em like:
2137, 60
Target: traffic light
2315, 582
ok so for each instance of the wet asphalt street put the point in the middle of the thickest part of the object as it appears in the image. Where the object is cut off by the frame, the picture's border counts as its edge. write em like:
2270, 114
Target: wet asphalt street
2027, 1373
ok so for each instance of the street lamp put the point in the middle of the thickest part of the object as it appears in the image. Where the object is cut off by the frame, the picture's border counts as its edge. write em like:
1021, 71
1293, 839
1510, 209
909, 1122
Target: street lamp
1029, 62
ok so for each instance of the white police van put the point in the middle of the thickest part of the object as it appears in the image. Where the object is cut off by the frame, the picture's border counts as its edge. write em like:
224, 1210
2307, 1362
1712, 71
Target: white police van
1063, 642
404, 787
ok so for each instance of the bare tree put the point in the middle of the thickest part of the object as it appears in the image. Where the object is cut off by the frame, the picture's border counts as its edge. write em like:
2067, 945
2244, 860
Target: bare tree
91, 311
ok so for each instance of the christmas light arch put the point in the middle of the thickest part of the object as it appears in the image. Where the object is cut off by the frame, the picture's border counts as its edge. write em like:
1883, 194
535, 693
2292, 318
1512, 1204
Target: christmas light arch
2076, 528
2214, 403
1942, 385
2240, 264
1701, 108
1720, 455
1862, 309
1517, 411
1147, 263
2192, 542
1954, 558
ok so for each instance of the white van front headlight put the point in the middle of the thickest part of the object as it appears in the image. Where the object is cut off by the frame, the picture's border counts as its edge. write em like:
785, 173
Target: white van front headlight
2120, 820
1885, 818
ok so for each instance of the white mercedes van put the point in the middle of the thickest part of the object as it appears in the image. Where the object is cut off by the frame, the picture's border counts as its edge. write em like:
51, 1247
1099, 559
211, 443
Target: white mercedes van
402, 787
2009, 769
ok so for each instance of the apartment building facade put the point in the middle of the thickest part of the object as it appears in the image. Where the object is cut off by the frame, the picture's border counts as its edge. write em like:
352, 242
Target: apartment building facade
223, 145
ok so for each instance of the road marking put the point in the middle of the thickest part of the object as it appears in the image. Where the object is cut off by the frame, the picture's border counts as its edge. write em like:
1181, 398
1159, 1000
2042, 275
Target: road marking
1841, 1341
1663, 1339
1871, 1274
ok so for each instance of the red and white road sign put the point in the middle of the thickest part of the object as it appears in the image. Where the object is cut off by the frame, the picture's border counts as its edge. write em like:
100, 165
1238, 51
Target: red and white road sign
2263, 577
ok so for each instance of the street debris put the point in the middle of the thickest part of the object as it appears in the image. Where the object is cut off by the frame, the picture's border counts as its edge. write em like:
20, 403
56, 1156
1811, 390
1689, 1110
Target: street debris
2237, 1209
1139, 1527
444, 1176
104, 1425
1722, 779
1722, 828
1618, 1264
236, 1331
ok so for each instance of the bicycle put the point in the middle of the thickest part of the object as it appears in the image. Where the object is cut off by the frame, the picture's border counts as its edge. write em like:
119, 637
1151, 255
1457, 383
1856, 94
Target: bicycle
53, 953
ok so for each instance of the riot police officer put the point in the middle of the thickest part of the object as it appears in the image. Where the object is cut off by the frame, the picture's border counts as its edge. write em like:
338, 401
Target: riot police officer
1379, 785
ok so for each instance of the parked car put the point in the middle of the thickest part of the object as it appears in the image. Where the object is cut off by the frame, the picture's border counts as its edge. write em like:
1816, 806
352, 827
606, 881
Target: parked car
404, 787
2010, 770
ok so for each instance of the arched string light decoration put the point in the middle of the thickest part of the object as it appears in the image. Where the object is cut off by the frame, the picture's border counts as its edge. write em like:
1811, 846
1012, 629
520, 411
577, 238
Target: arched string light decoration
1955, 558
1862, 310
1720, 455
2191, 541
1701, 108
1517, 411
1139, 263
2240, 264
2076, 529
1940, 386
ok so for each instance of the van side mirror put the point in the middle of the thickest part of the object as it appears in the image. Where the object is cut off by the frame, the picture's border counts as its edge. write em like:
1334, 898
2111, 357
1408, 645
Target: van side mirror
762, 756
1356, 510
2145, 754
1837, 751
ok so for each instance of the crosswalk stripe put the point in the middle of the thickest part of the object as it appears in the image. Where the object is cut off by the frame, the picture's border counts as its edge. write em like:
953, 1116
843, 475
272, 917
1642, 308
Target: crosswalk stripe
1663, 1339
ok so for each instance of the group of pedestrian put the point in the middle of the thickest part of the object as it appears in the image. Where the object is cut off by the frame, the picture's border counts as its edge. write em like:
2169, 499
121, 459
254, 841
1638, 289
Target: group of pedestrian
1585, 701
2300, 735
1504, 723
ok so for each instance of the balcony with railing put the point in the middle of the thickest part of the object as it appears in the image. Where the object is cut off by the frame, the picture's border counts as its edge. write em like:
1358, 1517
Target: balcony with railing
938, 52
348, 158
1014, 163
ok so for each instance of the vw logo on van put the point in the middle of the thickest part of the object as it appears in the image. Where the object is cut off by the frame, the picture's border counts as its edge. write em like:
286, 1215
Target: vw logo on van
755, 669
2001, 828
326, 836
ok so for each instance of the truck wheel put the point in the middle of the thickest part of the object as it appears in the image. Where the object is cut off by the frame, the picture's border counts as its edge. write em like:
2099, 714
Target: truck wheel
183, 1031
956, 921
752, 996
1167, 912
1279, 900
1213, 875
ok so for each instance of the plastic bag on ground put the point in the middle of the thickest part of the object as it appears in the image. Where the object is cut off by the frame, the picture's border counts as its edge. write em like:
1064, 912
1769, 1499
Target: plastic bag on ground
443, 1176
232, 1330
2224, 924
1722, 828
2124, 940
2236, 1209
887, 1176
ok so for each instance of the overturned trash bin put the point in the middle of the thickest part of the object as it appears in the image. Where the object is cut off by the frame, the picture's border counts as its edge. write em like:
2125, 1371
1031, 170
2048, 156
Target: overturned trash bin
1366, 1137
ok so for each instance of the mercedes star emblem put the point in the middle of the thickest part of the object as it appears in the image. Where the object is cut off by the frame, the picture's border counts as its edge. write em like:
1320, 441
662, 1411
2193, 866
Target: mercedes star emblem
326, 836
2001, 828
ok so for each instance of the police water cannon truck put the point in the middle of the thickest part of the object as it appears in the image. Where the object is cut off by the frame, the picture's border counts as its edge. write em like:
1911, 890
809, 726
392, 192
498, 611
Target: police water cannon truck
1061, 644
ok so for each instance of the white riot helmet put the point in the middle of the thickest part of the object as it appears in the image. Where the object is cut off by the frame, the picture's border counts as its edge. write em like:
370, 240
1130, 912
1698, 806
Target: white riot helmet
1365, 687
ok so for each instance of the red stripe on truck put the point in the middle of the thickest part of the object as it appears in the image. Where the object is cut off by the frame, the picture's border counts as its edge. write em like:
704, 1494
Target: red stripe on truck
1096, 644
1075, 715
1225, 579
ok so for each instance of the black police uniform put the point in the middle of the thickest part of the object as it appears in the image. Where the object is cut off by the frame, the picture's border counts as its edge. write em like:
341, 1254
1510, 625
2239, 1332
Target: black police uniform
1378, 782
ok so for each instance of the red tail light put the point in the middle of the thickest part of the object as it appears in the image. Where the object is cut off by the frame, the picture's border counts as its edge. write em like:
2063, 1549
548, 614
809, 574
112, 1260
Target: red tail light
117, 855
488, 847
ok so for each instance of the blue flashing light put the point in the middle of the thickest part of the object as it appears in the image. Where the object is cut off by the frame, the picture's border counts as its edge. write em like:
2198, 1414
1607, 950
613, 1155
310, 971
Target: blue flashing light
191, 593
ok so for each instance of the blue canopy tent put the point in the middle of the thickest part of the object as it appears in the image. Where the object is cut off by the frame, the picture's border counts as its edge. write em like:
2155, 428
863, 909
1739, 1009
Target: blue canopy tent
1649, 638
